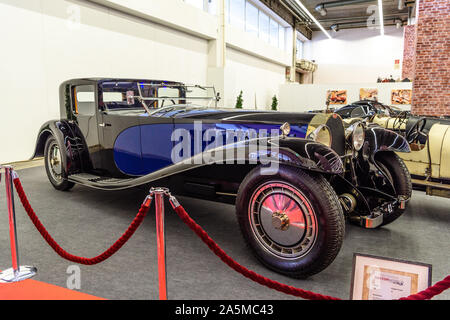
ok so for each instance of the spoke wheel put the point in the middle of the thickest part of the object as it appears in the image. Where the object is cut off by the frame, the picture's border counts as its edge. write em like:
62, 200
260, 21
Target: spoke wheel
54, 165
54, 162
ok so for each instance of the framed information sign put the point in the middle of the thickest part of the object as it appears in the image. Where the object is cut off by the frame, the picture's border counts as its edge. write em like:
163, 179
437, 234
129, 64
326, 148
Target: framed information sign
378, 278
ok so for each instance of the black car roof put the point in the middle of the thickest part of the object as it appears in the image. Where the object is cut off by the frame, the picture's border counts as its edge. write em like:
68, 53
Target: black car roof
100, 80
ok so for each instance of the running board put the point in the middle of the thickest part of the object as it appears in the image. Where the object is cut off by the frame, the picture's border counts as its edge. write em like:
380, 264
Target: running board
433, 188
430, 184
99, 182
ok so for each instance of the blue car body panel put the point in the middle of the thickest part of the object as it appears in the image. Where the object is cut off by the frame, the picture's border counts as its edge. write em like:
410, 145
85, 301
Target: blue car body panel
144, 149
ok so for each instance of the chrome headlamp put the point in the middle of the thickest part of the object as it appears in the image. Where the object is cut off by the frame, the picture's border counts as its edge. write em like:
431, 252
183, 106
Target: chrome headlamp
358, 136
321, 134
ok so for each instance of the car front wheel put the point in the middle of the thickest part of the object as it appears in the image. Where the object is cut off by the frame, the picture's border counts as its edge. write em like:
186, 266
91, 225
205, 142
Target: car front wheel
292, 221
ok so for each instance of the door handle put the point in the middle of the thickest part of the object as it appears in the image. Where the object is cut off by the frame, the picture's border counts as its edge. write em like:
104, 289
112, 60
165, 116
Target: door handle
104, 125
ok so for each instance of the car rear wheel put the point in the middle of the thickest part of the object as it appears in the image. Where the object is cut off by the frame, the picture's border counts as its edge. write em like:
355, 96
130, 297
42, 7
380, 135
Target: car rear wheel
396, 171
292, 221
55, 166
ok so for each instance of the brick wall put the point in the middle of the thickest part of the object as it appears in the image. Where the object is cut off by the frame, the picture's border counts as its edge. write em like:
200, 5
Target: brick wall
431, 88
409, 52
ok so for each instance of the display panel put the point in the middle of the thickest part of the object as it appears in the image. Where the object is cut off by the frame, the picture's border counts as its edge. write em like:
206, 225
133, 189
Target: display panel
379, 278
368, 94
337, 96
401, 96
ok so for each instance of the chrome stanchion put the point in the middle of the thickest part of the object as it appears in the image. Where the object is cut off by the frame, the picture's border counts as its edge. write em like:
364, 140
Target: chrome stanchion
159, 206
17, 272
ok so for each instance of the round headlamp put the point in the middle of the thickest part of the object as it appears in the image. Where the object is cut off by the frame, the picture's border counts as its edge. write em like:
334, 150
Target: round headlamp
358, 136
322, 134
285, 129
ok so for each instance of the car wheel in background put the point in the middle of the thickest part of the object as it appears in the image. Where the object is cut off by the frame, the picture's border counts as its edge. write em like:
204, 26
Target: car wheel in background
398, 173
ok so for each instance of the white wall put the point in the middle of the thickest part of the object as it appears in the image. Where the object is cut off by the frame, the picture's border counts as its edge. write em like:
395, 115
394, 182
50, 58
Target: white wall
258, 79
355, 55
296, 97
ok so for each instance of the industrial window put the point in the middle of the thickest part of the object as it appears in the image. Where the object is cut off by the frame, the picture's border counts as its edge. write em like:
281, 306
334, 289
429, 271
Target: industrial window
299, 49
237, 13
273, 33
248, 16
263, 26
251, 19
227, 11
281, 37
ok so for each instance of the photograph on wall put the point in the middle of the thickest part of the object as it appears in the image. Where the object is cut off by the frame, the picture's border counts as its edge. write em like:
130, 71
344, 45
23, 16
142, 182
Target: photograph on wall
378, 278
401, 96
337, 96
368, 94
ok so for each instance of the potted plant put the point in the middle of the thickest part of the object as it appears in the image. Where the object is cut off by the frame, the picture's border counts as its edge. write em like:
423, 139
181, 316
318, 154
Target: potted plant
239, 101
274, 103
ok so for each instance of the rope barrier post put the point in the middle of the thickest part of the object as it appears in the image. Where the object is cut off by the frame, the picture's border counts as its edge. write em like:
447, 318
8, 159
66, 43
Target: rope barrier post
159, 207
17, 272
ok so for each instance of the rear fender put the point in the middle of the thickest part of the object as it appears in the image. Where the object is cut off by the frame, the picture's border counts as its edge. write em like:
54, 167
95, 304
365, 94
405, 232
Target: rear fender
74, 152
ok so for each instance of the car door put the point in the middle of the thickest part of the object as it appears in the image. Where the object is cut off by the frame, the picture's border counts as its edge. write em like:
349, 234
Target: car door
134, 143
85, 112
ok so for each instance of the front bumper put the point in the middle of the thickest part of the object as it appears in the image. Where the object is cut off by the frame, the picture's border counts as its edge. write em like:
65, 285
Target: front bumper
375, 219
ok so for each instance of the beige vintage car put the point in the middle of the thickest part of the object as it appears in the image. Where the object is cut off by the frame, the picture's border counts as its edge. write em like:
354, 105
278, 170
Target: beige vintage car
429, 140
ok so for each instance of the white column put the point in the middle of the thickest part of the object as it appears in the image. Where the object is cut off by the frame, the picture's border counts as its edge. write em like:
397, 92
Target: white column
217, 54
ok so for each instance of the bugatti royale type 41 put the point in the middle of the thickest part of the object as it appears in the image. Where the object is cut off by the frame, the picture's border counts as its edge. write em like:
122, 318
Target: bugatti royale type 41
293, 177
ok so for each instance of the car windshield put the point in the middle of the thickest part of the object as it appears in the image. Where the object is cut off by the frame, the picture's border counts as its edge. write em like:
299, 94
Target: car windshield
154, 96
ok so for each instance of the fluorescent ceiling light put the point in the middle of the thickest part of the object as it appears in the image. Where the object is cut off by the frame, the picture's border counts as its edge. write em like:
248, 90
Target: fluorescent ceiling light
313, 19
380, 11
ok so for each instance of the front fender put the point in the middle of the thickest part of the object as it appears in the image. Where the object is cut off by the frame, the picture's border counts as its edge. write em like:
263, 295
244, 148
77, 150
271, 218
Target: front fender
302, 153
380, 139
313, 155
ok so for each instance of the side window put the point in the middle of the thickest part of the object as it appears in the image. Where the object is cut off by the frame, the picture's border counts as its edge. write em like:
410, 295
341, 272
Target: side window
83, 100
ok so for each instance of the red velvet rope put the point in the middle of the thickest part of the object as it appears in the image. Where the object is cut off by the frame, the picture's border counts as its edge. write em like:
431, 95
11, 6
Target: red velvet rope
243, 270
423, 295
432, 291
64, 254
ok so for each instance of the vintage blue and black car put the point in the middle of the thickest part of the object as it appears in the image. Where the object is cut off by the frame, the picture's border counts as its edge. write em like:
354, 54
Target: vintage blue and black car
294, 177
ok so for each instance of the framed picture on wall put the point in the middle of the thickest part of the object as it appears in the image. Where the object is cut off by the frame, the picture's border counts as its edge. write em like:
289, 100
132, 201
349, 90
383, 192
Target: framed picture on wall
379, 278
401, 96
368, 94
337, 96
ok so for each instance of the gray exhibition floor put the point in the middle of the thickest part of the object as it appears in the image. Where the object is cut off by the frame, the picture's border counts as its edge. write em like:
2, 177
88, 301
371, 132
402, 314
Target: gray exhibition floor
86, 221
